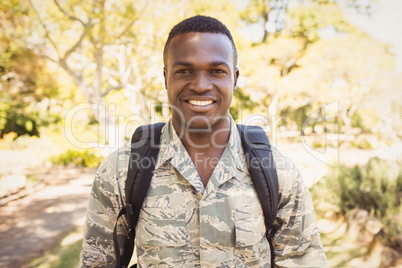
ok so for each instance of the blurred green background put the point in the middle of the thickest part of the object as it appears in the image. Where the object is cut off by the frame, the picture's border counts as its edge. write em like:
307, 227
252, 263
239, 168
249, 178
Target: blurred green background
77, 77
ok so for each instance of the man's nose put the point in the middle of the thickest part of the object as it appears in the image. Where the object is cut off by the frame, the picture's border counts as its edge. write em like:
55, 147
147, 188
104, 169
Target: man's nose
201, 82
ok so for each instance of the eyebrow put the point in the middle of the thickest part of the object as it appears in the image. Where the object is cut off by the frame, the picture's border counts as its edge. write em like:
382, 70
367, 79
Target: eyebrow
188, 64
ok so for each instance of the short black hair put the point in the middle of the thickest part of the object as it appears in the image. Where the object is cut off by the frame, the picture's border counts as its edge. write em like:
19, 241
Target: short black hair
199, 24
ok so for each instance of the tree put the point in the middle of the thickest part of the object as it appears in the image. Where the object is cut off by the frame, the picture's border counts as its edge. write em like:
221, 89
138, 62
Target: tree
97, 45
350, 68
316, 58
273, 15
269, 13
111, 45
24, 82
265, 68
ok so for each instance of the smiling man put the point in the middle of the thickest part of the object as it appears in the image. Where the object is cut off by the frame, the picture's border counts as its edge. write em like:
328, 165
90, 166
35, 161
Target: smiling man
200, 77
201, 208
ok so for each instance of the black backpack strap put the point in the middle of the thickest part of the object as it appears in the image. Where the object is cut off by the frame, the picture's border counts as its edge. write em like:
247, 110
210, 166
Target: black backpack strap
261, 165
144, 152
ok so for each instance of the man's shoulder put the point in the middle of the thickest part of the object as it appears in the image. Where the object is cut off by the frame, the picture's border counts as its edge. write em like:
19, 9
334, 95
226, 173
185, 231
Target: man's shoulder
287, 171
116, 159
282, 162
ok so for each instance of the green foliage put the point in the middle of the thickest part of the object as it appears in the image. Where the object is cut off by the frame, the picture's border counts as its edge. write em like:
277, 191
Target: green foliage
300, 115
308, 20
363, 144
375, 187
304, 117
317, 144
81, 158
317, 57
24, 83
364, 119
357, 121
241, 101
255, 10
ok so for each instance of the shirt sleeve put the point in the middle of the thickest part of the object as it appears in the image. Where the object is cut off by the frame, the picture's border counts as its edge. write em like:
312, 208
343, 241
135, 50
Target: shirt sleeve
103, 208
297, 243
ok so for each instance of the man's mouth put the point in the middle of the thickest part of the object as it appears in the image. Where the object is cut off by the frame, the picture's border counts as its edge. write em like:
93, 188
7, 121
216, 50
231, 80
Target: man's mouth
200, 103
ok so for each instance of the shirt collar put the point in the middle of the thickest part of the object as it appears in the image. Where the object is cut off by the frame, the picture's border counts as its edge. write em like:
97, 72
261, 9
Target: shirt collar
235, 147
171, 145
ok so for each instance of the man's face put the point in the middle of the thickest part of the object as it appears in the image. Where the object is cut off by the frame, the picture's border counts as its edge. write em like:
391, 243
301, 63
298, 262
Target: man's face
200, 79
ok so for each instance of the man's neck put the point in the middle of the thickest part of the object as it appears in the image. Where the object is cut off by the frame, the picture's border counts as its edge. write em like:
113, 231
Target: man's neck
204, 140
205, 146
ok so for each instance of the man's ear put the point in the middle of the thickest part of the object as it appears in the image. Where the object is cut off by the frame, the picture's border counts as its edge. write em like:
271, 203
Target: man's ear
164, 75
236, 76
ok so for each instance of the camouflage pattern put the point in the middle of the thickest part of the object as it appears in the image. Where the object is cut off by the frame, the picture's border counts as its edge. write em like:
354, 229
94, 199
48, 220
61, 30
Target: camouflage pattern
184, 224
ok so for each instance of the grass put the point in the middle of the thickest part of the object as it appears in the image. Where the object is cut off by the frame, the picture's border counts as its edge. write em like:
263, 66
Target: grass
64, 255
341, 249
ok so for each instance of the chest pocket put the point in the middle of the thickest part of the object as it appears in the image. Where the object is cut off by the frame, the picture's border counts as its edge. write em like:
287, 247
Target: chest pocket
164, 227
249, 225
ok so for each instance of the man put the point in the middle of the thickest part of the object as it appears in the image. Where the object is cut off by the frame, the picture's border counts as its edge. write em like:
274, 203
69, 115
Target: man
201, 209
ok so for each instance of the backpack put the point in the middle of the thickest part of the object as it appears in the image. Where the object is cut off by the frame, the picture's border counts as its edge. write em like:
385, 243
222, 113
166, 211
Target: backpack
145, 143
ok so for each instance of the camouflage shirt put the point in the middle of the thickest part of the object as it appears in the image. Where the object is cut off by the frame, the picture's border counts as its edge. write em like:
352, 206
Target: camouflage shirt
184, 224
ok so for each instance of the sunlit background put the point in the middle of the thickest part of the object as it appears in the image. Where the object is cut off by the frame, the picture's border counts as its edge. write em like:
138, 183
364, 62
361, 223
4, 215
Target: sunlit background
323, 77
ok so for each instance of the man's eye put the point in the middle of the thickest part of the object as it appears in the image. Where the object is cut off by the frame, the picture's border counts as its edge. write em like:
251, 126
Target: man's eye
183, 71
219, 71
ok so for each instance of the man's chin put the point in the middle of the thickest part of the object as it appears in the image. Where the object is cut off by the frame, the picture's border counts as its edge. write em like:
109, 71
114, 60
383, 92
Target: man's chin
199, 125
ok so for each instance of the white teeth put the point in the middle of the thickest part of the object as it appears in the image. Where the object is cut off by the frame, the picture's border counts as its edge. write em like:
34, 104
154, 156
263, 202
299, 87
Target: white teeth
200, 103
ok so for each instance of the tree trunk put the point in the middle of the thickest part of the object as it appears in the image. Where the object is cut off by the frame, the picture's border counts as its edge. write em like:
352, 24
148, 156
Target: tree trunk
272, 113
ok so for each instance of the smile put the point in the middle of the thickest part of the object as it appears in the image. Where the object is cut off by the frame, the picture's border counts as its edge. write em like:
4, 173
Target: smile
200, 103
